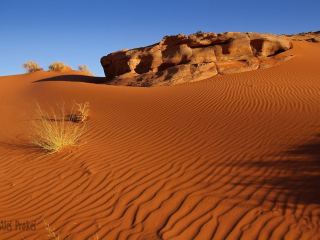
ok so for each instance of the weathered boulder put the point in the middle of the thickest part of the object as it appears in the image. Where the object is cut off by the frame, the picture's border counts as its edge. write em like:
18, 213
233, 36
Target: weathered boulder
306, 36
181, 58
266, 45
235, 66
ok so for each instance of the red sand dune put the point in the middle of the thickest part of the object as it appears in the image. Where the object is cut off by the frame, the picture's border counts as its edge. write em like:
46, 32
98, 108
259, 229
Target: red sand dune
232, 157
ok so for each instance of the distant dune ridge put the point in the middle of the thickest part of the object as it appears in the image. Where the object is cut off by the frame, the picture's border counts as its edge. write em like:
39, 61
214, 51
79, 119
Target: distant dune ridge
189, 58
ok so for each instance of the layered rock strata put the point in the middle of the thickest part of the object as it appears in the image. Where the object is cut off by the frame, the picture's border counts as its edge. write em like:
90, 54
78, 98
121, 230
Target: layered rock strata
188, 58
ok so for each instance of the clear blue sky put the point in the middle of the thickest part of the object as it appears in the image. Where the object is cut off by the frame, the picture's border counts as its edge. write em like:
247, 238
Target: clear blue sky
82, 31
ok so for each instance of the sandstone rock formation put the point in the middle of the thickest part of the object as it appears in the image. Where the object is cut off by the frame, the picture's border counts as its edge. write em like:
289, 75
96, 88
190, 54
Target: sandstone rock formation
179, 59
306, 36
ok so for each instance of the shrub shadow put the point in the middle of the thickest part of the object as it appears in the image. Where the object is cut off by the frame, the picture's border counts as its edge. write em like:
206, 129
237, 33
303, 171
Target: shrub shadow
297, 176
17, 145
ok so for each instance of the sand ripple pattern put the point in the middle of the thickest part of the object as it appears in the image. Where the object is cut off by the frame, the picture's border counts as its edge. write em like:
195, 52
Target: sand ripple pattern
233, 157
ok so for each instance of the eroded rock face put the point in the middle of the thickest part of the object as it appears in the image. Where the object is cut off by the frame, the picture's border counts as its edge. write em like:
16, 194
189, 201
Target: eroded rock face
306, 36
181, 58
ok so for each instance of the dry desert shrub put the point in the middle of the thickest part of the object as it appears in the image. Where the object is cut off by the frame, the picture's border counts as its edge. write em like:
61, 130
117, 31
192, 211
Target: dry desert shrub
81, 112
31, 67
52, 131
59, 67
85, 69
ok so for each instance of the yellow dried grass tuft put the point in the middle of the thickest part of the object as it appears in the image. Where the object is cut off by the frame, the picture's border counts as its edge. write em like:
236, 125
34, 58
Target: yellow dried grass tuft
31, 67
59, 67
52, 131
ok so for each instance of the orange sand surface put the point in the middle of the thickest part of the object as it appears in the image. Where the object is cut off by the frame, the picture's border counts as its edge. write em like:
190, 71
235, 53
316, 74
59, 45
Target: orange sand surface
232, 157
